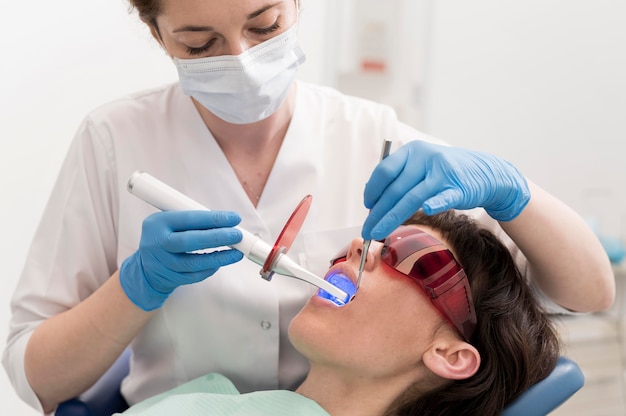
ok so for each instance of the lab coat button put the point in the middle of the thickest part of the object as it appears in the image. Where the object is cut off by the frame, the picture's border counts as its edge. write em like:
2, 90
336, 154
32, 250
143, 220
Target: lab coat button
266, 324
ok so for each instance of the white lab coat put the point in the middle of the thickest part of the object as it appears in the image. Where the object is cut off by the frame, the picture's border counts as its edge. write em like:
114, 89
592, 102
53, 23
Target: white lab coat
233, 323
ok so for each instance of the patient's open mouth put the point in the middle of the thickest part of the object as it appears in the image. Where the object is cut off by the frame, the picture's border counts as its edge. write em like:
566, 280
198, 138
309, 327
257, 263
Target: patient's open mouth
344, 283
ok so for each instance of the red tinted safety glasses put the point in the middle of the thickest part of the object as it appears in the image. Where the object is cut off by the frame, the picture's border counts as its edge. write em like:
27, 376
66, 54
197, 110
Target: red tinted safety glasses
427, 262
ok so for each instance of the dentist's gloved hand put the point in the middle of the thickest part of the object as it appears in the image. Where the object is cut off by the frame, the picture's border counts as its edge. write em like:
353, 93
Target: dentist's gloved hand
437, 178
164, 260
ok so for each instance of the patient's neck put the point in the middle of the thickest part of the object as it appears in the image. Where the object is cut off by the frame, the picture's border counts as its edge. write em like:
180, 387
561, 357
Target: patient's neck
342, 394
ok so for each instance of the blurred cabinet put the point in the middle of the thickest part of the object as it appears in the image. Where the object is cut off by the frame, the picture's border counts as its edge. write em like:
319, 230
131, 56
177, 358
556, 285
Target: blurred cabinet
379, 51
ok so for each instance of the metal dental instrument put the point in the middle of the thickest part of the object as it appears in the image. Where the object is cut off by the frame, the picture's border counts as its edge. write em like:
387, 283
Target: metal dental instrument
272, 259
366, 243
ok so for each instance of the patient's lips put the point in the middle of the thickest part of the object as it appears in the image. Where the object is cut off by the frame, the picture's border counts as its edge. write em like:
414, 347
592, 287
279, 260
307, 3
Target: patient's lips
343, 282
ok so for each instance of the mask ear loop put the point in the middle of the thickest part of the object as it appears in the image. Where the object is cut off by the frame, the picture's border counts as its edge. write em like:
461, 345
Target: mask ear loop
298, 12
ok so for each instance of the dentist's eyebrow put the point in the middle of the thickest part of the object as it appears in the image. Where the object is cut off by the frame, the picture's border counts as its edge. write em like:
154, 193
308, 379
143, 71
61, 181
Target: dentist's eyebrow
192, 28
263, 10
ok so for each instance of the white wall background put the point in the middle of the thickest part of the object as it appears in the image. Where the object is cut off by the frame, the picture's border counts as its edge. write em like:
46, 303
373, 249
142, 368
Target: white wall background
538, 82
541, 83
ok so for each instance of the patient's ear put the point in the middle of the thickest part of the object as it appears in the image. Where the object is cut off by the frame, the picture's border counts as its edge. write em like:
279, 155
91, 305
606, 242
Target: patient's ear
452, 358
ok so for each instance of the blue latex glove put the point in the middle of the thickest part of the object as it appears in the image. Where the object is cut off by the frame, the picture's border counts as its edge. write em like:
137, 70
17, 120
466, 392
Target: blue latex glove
164, 260
437, 178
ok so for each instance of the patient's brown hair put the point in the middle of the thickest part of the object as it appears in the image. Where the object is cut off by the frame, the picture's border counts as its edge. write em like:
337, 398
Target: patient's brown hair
517, 341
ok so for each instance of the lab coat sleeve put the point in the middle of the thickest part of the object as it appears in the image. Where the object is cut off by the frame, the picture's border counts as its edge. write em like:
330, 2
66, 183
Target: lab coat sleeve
489, 223
73, 251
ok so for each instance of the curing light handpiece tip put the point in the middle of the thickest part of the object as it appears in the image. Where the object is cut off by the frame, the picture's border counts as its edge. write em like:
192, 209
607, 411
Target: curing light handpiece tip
342, 282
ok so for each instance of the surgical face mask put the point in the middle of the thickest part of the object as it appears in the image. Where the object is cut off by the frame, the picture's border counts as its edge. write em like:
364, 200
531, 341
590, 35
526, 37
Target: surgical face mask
248, 87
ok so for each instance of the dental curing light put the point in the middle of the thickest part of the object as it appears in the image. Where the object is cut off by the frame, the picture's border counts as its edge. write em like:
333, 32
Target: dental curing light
271, 259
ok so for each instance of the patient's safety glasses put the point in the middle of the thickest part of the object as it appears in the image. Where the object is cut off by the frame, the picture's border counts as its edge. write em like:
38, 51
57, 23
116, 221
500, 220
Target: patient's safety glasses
427, 262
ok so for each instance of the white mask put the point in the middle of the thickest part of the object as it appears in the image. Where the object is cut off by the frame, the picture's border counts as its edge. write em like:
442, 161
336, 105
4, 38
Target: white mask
248, 87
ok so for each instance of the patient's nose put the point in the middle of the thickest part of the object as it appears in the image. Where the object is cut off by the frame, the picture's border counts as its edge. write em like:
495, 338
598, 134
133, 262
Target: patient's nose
356, 248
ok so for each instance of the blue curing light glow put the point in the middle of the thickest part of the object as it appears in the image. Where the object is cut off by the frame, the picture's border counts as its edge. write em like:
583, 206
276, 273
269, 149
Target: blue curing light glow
342, 282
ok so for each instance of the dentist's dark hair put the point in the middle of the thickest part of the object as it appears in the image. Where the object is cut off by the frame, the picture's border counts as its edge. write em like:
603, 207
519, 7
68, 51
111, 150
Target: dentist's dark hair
149, 10
515, 337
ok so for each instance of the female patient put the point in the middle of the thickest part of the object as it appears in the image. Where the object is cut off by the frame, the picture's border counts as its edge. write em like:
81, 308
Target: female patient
395, 349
